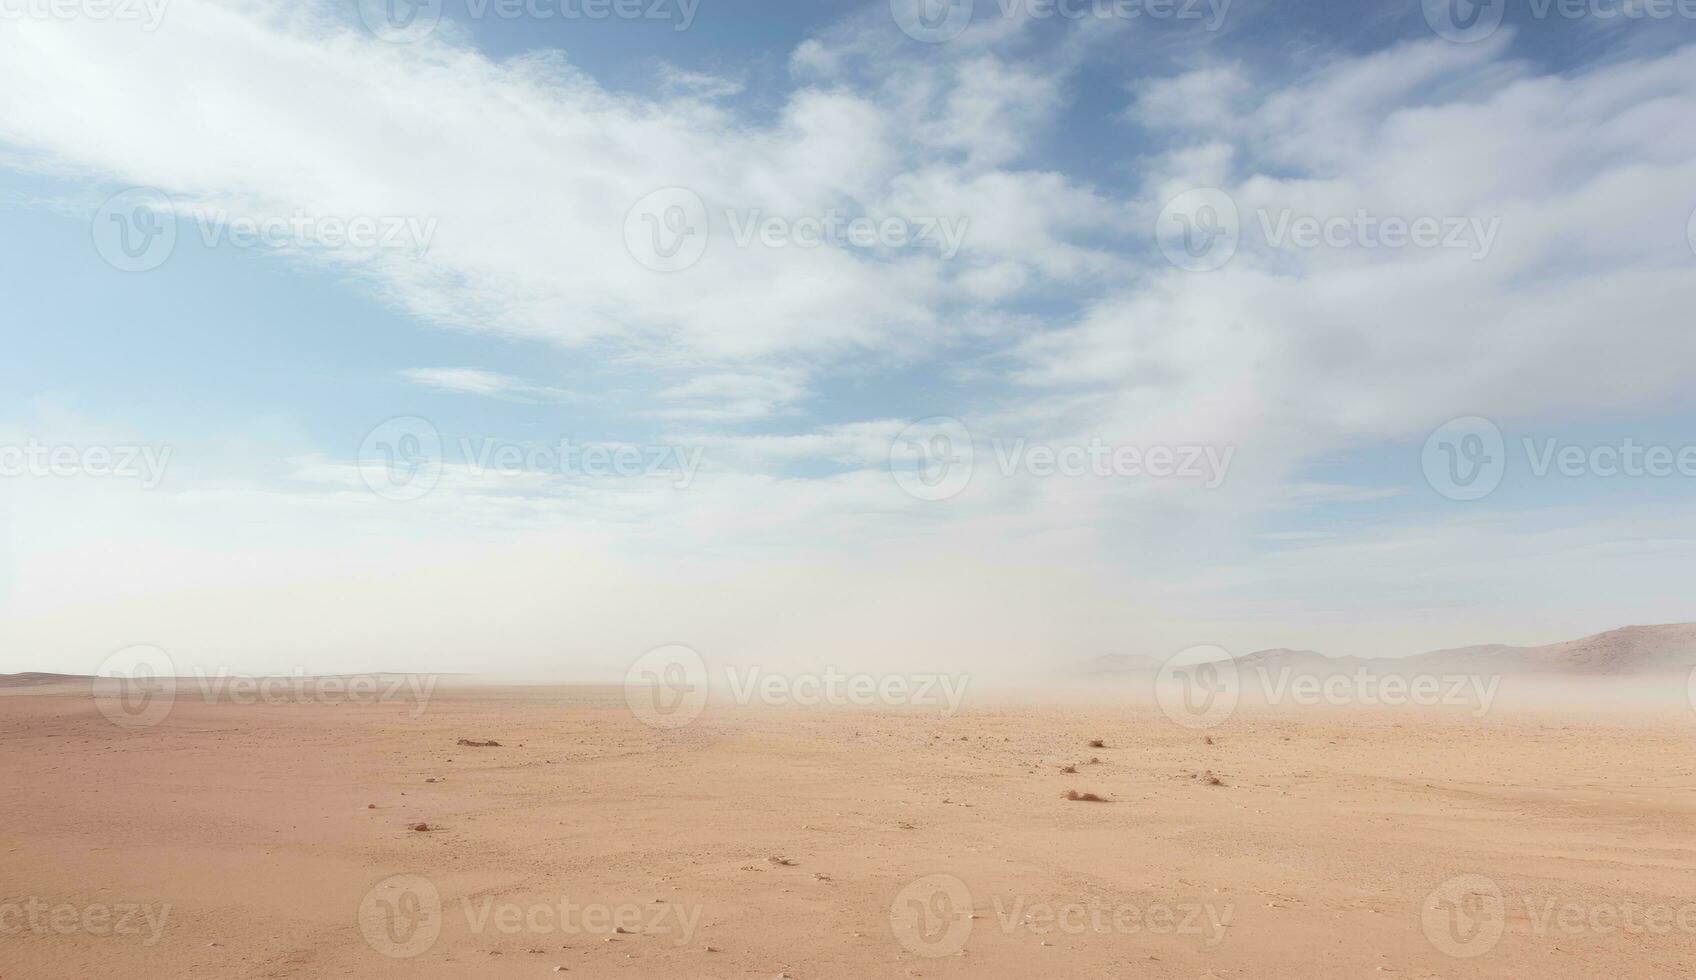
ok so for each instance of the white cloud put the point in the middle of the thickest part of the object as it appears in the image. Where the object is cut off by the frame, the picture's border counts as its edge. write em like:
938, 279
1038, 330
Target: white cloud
1073, 326
475, 381
731, 397
528, 168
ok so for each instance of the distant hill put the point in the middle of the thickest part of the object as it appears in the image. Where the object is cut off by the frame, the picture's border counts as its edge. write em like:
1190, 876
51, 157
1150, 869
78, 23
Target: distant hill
37, 679
1630, 650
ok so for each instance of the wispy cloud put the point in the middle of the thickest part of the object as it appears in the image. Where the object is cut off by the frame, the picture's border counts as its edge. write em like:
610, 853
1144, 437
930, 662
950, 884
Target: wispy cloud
490, 384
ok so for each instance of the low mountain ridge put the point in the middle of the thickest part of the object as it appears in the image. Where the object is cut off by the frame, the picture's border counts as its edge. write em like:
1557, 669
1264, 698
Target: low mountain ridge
1629, 650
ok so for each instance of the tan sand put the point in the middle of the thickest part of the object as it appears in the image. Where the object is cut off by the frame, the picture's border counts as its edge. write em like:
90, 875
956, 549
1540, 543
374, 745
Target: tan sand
241, 841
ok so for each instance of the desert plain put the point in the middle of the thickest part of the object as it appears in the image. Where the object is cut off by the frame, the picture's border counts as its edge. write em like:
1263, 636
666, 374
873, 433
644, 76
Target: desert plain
276, 840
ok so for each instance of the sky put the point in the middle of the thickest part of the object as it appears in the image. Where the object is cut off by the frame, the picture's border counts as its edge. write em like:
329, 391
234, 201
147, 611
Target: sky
991, 335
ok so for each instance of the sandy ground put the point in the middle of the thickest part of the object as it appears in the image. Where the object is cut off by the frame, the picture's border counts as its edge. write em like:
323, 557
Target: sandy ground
259, 840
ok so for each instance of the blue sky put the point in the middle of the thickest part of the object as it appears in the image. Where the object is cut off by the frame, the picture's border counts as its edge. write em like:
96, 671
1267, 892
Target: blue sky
518, 161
